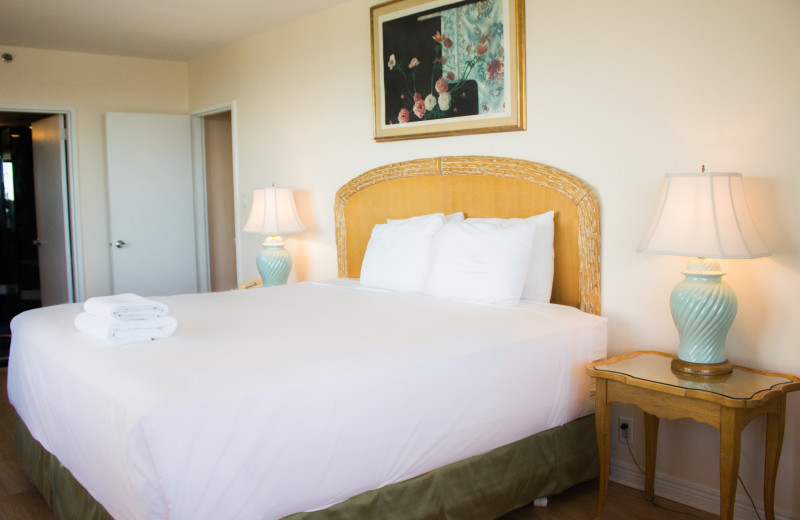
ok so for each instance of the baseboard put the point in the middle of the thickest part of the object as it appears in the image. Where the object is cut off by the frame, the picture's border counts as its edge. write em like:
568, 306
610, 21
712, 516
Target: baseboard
694, 495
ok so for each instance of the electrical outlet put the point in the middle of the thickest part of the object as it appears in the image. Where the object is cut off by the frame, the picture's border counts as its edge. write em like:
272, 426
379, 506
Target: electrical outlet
625, 430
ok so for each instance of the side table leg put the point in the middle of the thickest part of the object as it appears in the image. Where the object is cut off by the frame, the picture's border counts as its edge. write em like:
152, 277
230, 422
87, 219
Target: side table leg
729, 453
602, 424
650, 447
775, 427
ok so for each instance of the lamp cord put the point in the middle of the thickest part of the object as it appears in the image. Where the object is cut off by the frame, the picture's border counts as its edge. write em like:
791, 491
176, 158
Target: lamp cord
755, 509
748, 496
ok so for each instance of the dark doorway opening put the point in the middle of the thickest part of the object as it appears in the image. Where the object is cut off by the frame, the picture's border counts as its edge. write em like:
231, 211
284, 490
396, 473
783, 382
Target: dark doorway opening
19, 261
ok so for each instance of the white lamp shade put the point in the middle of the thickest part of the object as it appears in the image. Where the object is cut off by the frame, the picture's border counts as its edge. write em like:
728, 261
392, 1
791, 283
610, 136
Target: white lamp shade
704, 215
273, 213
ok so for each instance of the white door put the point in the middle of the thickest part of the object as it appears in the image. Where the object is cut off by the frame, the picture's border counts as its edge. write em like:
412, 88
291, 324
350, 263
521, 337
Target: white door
151, 204
52, 223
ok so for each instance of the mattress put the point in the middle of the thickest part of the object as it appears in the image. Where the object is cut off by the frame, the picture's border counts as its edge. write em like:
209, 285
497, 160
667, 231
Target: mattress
268, 402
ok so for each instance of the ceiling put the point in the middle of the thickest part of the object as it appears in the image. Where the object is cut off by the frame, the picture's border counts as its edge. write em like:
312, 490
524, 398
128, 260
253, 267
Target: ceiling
160, 29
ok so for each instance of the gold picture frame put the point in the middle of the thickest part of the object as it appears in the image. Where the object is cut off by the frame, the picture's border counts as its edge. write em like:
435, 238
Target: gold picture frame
447, 67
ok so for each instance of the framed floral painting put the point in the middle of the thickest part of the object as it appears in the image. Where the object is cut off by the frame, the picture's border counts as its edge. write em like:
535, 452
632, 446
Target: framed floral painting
447, 67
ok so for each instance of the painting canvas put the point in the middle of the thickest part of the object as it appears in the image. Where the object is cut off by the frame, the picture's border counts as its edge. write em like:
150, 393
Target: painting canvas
447, 67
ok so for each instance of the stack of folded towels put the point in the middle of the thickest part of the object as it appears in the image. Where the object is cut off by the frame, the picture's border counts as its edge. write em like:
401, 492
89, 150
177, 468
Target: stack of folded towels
125, 318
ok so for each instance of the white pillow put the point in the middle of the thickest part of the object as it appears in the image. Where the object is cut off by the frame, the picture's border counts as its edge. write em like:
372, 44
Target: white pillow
449, 218
539, 281
399, 253
480, 262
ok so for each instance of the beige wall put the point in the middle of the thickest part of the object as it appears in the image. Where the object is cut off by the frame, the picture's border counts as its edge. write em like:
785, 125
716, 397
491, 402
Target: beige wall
93, 85
619, 93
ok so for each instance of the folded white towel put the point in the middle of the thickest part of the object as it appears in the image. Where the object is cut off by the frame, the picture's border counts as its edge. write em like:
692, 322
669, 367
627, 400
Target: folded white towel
126, 306
122, 332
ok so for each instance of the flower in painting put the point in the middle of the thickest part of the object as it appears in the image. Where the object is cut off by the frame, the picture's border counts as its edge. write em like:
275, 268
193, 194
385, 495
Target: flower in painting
392, 62
448, 43
419, 108
413, 63
441, 85
439, 37
417, 96
451, 76
444, 101
403, 116
430, 102
483, 46
495, 69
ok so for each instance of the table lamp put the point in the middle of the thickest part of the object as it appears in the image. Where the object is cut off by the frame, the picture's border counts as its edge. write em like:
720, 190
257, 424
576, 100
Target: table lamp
273, 213
703, 215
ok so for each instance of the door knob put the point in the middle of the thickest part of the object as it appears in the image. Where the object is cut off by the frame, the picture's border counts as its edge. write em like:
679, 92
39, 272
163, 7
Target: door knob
37, 242
119, 244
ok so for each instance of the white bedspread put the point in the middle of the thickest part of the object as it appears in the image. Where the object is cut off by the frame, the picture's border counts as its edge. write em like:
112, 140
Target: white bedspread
266, 402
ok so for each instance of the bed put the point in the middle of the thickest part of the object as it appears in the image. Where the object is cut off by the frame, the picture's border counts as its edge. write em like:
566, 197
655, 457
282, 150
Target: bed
367, 403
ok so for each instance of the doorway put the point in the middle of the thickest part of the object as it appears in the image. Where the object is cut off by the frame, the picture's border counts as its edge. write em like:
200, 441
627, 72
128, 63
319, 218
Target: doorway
220, 201
19, 263
26, 185
217, 183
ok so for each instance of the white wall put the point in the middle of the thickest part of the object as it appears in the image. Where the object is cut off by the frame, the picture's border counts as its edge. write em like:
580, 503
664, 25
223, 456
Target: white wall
93, 85
620, 92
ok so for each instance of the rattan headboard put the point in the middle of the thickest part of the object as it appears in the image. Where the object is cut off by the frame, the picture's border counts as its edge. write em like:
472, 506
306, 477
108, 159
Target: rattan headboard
480, 187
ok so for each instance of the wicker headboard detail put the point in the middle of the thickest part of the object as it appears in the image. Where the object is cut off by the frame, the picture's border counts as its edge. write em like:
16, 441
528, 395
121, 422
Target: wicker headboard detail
480, 187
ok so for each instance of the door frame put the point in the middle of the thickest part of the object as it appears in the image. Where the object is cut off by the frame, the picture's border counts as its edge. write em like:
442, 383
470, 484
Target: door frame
72, 213
201, 206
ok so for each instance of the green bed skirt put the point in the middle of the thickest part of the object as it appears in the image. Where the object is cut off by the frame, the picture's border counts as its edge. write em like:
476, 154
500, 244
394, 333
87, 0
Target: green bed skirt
483, 487
65, 496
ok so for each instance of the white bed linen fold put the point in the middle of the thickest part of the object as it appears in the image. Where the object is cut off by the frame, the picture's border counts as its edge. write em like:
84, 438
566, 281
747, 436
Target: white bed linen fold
271, 401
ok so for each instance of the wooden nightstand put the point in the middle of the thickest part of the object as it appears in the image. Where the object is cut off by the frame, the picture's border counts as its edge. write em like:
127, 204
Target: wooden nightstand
251, 284
728, 403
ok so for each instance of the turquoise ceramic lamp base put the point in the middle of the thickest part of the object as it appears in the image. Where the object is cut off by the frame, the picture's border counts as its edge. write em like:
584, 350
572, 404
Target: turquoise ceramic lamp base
274, 262
703, 308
